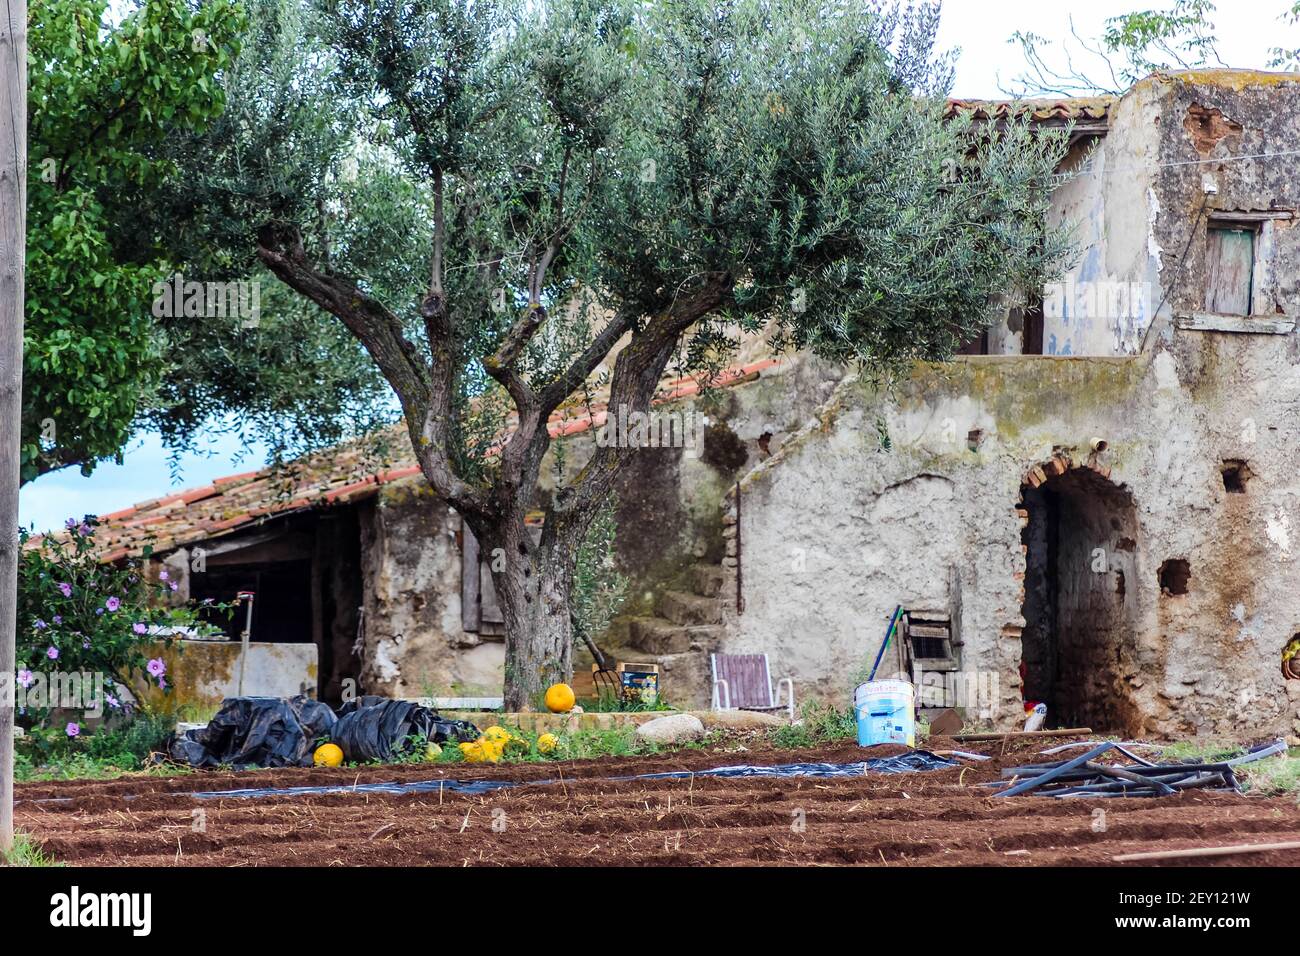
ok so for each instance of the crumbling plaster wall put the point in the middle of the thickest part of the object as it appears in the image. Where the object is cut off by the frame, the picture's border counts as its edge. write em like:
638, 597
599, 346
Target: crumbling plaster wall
1103, 303
881, 526
1209, 121
414, 642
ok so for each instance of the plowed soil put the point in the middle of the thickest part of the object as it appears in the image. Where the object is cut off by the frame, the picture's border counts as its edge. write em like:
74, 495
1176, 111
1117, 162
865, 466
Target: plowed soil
936, 818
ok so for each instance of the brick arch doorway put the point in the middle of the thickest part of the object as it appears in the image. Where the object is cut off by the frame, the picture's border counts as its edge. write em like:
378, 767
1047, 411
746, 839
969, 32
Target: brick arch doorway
1080, 608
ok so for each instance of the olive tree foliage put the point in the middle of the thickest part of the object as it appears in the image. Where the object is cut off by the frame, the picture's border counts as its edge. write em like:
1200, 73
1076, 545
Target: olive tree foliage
291, 379
537, 183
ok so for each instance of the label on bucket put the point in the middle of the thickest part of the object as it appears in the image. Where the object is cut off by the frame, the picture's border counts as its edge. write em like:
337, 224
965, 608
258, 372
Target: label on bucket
885, 713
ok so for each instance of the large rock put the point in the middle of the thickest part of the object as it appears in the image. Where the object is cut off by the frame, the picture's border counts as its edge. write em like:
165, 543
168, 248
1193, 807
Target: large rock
741, 720
673, 729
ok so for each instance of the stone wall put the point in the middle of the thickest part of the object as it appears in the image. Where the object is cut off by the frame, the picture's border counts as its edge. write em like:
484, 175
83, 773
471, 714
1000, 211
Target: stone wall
839, 528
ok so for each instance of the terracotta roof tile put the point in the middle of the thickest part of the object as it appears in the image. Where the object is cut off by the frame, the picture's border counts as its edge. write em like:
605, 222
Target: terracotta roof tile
1092, 110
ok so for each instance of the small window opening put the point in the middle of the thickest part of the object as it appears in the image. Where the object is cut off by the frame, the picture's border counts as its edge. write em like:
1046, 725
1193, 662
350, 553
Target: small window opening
1174, 576
1235, 475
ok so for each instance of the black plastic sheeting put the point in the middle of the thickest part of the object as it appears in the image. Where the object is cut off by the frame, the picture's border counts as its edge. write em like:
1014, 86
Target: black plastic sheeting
916, 761
376, 728
279, 732
257, 732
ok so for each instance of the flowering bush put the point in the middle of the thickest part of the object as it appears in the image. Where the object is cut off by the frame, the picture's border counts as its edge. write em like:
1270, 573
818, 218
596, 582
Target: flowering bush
77, 615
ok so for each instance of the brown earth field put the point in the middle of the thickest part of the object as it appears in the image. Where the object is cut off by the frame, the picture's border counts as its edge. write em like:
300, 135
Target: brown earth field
936, 818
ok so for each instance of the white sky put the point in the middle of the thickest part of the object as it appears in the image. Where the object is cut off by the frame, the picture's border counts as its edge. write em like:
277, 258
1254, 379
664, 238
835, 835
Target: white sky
1247, 29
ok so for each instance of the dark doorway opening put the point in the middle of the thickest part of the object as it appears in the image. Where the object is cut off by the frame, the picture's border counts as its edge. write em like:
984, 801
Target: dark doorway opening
306, 576
282, 607
1079, 633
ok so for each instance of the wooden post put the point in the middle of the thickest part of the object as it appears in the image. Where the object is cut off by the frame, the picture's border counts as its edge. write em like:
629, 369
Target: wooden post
13, 241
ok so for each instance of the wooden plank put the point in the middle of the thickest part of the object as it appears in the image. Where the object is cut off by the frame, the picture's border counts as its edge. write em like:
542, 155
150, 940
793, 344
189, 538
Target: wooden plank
469, 580
1230, 264
1239, 324
1207, 851
923, 630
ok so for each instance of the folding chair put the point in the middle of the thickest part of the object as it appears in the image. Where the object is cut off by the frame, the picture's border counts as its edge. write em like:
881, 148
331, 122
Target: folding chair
744, 682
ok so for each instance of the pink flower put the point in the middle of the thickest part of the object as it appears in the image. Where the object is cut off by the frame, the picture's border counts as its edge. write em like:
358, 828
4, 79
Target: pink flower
52, 653
173, 585
156, 667
140, 628
66, 588
162, 575
162, 683
113, 603
73, 730
25, 677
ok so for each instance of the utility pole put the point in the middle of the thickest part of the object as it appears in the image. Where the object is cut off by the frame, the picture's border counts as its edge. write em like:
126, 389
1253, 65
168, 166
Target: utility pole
13, 250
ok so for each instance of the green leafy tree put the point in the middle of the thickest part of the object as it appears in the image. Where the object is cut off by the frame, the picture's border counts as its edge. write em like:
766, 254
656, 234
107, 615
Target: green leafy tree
103, 99
536, 184
126, 108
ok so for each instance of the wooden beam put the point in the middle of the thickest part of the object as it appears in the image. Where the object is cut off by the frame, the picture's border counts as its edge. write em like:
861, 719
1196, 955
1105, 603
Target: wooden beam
13, 249
1063, 732
1236, 324
1206, 851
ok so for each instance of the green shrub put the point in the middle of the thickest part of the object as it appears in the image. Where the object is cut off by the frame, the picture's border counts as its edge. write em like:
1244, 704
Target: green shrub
78, 617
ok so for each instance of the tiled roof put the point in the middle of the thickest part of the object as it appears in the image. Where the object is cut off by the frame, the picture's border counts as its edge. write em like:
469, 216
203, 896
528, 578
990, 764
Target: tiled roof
345, 474
1091, 110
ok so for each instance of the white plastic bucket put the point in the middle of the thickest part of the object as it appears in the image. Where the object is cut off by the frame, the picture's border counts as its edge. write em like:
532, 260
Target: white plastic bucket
886, 712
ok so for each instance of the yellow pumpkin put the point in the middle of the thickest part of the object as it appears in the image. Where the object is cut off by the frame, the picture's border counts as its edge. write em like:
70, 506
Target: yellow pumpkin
473, 751
497, 733
432, 751
328, 755
560, 699
547, 743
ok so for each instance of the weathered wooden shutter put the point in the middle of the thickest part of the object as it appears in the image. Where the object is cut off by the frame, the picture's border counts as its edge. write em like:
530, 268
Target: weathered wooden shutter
1230, 263
479, 608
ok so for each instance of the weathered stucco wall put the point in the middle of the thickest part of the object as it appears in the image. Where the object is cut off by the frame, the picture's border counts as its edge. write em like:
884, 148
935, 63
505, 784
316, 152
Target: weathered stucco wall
414, 642
880, 526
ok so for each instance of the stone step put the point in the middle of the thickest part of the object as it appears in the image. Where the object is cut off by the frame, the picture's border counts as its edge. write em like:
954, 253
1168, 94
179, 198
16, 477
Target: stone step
683, 608
706, 579
656, 635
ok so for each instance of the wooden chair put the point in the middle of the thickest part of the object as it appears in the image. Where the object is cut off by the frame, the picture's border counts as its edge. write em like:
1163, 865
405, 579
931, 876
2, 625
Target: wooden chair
744, 682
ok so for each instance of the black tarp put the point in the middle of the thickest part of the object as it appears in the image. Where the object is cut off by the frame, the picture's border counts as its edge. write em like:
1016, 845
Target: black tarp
257, 732
376, 728
275, 732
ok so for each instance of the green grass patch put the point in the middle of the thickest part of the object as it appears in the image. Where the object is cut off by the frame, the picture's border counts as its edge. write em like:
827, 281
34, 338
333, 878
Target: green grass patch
818, 723
27, 852
107, 753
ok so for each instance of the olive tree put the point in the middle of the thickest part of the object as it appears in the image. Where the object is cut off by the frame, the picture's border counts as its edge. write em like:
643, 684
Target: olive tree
546, 195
